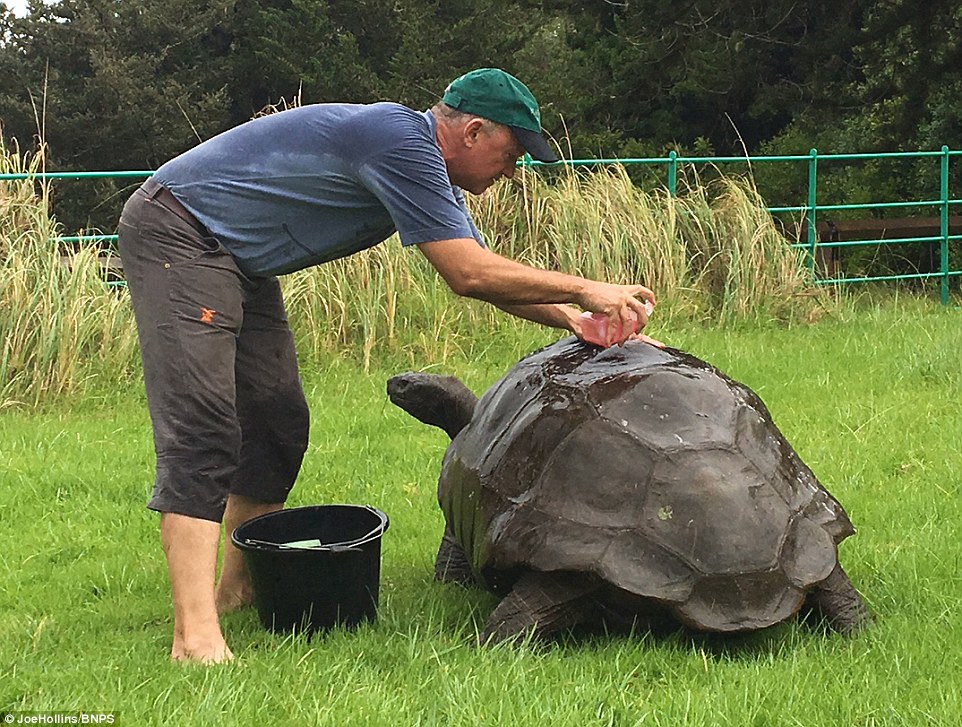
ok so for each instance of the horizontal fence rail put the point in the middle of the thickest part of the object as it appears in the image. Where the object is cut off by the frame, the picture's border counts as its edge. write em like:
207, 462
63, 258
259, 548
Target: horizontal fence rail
812, 243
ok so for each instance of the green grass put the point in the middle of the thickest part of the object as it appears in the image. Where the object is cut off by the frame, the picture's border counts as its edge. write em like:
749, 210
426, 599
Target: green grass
870, 398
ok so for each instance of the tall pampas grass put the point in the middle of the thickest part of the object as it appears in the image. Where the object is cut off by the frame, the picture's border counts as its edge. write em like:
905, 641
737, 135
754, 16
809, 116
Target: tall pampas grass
62, 328
711, 253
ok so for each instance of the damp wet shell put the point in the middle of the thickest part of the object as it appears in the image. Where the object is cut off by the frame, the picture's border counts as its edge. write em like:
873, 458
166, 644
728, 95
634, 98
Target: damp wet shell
650, 469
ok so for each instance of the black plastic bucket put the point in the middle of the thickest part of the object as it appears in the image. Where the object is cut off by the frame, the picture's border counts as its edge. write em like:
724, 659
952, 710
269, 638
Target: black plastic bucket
314, 567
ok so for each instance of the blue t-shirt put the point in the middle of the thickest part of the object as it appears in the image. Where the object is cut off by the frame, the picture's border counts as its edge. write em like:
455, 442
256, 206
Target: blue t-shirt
316, 183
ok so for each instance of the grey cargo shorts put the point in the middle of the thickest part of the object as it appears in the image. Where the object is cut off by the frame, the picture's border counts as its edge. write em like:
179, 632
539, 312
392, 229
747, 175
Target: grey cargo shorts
223, 390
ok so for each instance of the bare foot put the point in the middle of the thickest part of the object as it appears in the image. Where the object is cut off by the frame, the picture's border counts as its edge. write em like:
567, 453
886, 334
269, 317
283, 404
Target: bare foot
233, 597
234, 590
190, 545
212, 650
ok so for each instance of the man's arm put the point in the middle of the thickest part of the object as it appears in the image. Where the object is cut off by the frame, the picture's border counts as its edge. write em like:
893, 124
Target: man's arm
556, 315
476, 272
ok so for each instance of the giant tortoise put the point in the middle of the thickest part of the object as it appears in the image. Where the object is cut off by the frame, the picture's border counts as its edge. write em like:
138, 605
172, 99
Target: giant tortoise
625, 485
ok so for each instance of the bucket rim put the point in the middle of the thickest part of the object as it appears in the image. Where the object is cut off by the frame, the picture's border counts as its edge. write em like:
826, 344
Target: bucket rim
250, 544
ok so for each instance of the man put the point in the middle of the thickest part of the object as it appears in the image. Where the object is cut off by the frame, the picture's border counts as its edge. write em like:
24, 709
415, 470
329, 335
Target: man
202, 242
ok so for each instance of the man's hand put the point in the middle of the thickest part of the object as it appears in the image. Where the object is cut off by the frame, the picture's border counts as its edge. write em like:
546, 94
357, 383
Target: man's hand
626, 306
646, 339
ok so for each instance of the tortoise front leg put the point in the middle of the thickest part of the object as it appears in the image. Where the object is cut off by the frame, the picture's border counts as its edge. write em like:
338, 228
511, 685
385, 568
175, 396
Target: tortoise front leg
837, 602
452, 564
542, 604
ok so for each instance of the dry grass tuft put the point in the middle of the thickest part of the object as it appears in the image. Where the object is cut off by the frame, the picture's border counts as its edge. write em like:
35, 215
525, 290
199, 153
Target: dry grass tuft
712, 253
61, 327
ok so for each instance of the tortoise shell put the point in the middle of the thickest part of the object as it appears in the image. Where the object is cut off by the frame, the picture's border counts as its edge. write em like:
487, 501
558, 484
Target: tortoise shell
650, 469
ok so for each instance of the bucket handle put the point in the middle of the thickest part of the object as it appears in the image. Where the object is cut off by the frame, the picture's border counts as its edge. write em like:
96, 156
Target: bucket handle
377, 532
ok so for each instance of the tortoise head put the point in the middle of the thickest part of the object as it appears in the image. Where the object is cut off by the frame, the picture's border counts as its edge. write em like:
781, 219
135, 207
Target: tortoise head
442, 401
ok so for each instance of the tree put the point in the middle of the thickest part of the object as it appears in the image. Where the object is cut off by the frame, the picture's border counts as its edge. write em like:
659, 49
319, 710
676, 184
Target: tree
722, 75
900, 89
115, 85
314, 51
124, 84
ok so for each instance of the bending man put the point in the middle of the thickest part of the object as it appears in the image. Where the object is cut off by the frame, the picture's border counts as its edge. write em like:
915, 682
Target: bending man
202, 243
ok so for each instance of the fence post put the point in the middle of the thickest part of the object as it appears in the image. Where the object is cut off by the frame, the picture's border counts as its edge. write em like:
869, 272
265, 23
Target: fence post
812, 201
672, 173
944, 223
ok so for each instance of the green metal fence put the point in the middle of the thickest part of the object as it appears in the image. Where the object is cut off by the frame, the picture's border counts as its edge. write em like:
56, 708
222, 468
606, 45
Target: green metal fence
810, 211
812, 207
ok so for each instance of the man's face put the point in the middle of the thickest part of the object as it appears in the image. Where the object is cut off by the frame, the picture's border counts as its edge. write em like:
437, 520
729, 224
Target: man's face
488, 153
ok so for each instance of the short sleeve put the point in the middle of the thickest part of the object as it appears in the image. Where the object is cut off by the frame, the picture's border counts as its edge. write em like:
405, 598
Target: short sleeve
459, 196
411, 181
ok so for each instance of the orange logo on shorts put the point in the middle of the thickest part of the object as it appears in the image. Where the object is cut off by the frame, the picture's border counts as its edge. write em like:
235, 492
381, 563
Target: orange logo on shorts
207, 315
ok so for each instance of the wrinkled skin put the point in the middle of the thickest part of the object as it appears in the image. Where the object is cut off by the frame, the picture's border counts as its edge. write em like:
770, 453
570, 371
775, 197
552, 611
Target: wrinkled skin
625, 485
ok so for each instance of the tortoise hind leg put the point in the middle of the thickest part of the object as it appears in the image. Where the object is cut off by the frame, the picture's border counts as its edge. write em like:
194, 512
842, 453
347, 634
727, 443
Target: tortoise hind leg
542, 604
452, 564
836, 601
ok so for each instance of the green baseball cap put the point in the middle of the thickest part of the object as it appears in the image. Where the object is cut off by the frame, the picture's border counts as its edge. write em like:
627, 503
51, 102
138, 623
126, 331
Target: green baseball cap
498, 96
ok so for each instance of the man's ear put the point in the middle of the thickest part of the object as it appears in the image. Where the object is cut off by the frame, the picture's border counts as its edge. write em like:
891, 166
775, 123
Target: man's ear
472, 130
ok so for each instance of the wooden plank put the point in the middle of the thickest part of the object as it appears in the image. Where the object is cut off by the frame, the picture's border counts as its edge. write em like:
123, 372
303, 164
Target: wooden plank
881, 229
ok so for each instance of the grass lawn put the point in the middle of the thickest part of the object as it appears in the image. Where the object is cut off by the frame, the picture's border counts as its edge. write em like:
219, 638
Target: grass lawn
871, 401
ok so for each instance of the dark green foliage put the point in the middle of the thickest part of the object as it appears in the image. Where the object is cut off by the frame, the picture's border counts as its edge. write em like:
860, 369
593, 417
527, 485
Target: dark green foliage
897, 87
316, 51
113, 84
